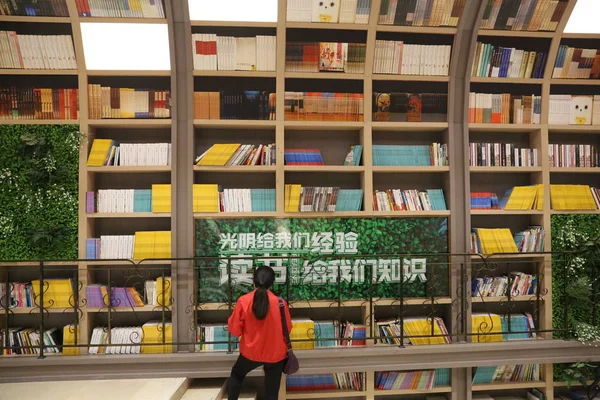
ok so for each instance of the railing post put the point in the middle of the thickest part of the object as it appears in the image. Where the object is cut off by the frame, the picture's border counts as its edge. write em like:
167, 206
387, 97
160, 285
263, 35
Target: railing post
229, 303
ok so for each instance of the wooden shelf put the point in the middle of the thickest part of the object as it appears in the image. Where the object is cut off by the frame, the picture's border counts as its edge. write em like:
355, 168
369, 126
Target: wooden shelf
45, 20
303, 304
507, 212
235, 168
324, 75
127, 262
233, 123
128, 215
433, 30
504, 299
440, 389
245, 24
36, 310
559, 212
593, 129
400, 214
575, 170
39, 122
129, 123
128, 170
521, 81
506, 256
419, 301
324, 125
124, 20
501, 170
37, 72
410, 169
579, 82
580, 35
508, 386
515, 34
324, 168
219, 215
410, 126
37, 264
319, 25
512, 128
410, 78
149, 72
324, 394
128, 309
234, 74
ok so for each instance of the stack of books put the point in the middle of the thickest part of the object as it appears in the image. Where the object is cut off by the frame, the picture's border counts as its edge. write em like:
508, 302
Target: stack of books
321, 199
531, 240
238, 154
574, 155
107, 152
58, 293
37, 51
484, 201
140, 246
353, 156
121, 8
98, 296
566, 109
212, 198
420, 13
319, 106
120, 340
344, 11
342, 381
412, 380
108, 102
487, 327
157, 337
27, 340
523, 198
410, 107
505, 62
491, 241
129, 200
496, 108
325, 56
35, 8
574, 197
215, 337
238, 104
303, 157
506, 374
577, 63
536, 15
435, 154
518, 284
417, 331
409, 200
501, 155
158, 292
349, 200
39, 103
152, 244
398, 58
309, 334
229, 53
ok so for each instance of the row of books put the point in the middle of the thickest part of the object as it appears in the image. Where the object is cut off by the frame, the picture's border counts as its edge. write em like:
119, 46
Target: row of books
517, 284
333, 333
412, 380
121, 8
488, 327
574, 155
215, 337
214, 199
342, 11
565, 109
415, 331
338, 381
500, 240
485, 201
576, 63
524, 198
107, 152
303, 157
504, 108
574, 197
326, 199
410, 107
435, 154
320, 106
58, 293
353, 156
420, 12
38, 103
28, 340
325, 56
501, 155
153, 337
141, 245
396, 57
409, 200
122, 200
506, 374
108, 102
505, 62
246, 104
536, 15
156, 293
34, 8
238, 154
36, 51
230, 53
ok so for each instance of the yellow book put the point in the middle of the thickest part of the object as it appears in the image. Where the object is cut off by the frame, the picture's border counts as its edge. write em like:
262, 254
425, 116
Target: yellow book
157, 333
143, 245
288, 191
164, 292
129, 95
206, 198
99, 152
506, 241
69, 332
58, 293
303, 329
486, 328
162, 244
295, 195
219, 154
161, 198
539, 198
521, 198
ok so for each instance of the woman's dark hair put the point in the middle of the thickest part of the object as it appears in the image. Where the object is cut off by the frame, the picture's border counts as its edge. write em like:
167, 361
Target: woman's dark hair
263, 279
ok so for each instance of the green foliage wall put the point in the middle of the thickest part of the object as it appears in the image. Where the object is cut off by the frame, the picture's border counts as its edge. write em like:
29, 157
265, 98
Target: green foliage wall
376, 236
38, 191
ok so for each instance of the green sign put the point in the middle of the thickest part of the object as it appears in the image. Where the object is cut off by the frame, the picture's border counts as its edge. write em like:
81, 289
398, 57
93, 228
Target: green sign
324, 259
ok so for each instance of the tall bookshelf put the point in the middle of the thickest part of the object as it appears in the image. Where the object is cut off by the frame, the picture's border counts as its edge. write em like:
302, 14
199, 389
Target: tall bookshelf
202, 133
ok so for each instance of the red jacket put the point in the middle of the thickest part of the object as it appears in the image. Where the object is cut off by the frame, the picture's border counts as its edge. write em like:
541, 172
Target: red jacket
261, 341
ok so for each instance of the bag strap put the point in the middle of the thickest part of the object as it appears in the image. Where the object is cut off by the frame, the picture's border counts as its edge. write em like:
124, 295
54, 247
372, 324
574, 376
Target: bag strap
284, 327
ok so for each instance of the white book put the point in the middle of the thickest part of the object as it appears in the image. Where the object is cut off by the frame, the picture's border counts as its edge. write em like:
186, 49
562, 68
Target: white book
246, 54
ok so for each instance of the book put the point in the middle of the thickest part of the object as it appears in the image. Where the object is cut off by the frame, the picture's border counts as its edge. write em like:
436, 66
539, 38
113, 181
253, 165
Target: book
121, 8
312, 199
484, 201
492, 241
573, 197
576, 63
506, 62
39, 103
504, 108
119, 201
565, 109
246, 104
215, 337
435, 154
415, 331
230, 53
37, 51
342, 11
409, 200
398, 58
355, 381
502, 155
311, 57
303, 157
533, 15
410, 107
320, 106
514, 284
35, 8
28, 340
506, 374
333, 56
573, 155
421, 12
238, 154
353, 156
105, 102
107, 152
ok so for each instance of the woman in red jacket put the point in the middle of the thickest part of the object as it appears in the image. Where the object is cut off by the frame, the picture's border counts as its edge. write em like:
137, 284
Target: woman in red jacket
257, 319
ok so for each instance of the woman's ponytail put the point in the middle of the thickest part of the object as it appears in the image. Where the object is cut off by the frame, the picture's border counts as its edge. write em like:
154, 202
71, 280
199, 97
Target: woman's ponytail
263, 279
